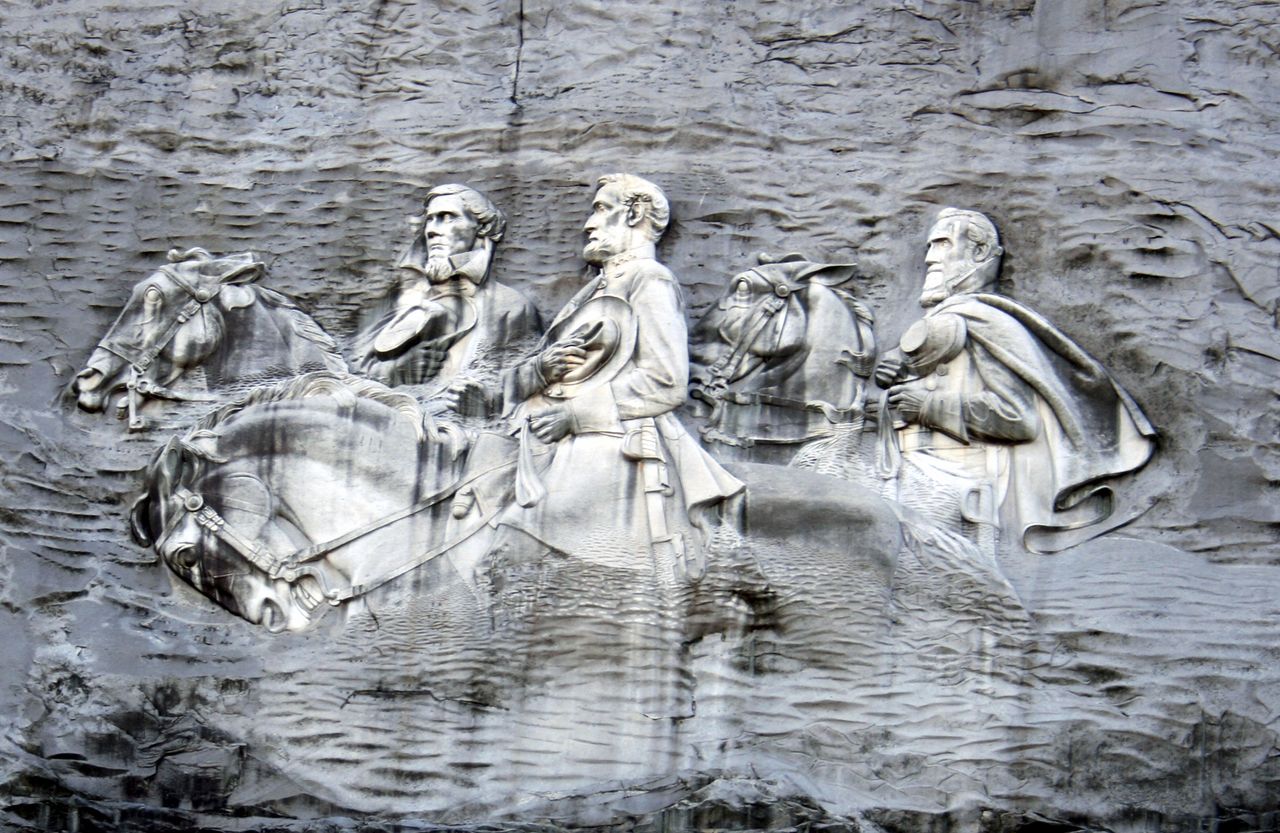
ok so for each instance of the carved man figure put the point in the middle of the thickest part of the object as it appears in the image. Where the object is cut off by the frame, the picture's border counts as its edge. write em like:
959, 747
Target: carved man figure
606, 470
449, 316
992, 401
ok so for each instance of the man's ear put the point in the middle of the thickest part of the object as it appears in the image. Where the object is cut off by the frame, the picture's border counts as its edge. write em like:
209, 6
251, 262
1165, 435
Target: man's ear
982, 252
637, 211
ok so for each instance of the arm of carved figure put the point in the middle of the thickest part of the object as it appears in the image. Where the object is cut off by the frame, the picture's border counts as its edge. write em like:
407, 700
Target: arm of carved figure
430, 358
552, 424
560, 358
1003, 410
533, 375
657, 378
890, 370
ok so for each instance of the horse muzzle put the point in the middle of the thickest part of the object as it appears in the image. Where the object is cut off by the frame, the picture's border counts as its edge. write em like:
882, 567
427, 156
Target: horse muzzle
101, 377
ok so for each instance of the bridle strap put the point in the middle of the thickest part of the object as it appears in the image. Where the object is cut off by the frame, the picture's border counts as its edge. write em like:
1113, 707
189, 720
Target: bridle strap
140, 363
290, 567
764, 312
143, 360
208, 518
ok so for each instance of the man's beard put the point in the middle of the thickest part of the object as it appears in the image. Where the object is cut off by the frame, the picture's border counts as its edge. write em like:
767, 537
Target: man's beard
934, 291
439, 268
975, 278
596, 253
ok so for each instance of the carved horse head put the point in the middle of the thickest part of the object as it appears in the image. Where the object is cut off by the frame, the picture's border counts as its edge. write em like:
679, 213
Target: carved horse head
184, 486
200, 311
301, 496
172, 323
782, 354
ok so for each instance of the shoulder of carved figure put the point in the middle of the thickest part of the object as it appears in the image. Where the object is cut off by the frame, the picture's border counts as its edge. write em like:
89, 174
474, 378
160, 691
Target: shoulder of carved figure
643, 272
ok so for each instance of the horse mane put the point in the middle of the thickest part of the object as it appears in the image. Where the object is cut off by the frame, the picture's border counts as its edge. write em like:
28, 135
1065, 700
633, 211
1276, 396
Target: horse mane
862, 357
341, 386
305, 327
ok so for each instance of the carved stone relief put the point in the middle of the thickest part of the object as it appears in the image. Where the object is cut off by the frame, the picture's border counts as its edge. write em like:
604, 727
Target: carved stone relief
812, 546
783, 357
494, 477
992, 420
448, 315
200, 329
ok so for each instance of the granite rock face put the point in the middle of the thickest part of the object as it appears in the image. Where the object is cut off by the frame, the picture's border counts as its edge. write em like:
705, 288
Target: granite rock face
1126, 150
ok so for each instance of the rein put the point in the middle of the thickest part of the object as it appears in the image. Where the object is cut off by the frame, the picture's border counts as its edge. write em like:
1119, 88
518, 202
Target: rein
727, 365
716, 393
299, 563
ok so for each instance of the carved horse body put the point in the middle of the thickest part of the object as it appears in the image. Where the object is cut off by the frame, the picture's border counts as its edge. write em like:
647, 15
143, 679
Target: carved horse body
781, 359
201, 311
309, 492
313, 492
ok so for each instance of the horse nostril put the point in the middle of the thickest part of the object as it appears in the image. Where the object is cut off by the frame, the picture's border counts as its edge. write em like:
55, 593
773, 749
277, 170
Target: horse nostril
273, 618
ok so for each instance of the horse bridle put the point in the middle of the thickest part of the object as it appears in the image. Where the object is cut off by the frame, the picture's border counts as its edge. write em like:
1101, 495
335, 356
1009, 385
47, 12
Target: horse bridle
301, 562
726, 367
141, 361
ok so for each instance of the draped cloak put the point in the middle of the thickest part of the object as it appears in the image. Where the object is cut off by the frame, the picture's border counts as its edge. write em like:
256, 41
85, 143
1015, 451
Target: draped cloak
1089, 429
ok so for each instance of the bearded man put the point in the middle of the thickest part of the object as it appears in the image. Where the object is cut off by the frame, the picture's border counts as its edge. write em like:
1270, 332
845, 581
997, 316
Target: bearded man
449, 318
1000, 409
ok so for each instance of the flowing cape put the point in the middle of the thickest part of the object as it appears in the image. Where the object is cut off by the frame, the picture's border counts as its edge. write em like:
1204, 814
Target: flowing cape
1092, 431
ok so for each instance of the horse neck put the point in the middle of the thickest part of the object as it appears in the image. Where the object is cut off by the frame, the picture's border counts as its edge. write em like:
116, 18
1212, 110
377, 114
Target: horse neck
332, 469
832, 329
262, 341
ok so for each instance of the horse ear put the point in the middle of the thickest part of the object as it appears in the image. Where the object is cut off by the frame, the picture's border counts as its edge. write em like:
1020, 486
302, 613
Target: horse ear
246, 268
828, 274
765, 258
140, 521
203, 444
234, 297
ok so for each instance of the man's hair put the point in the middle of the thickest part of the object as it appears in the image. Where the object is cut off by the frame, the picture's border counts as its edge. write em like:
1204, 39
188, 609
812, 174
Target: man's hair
635, 189
978, 228
491, 222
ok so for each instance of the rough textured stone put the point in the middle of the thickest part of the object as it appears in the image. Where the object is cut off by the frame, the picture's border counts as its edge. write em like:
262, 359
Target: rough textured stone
1125, 149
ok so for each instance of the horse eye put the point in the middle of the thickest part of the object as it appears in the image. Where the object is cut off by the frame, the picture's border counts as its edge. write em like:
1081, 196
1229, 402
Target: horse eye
152, 300
743, 286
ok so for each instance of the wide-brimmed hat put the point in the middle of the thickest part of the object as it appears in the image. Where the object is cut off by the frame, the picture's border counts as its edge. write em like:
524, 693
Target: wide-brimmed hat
933, 340
444, 318
605, 327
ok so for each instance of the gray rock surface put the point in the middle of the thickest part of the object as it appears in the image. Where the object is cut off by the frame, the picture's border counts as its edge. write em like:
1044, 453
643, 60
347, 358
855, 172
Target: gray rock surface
1125, 149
